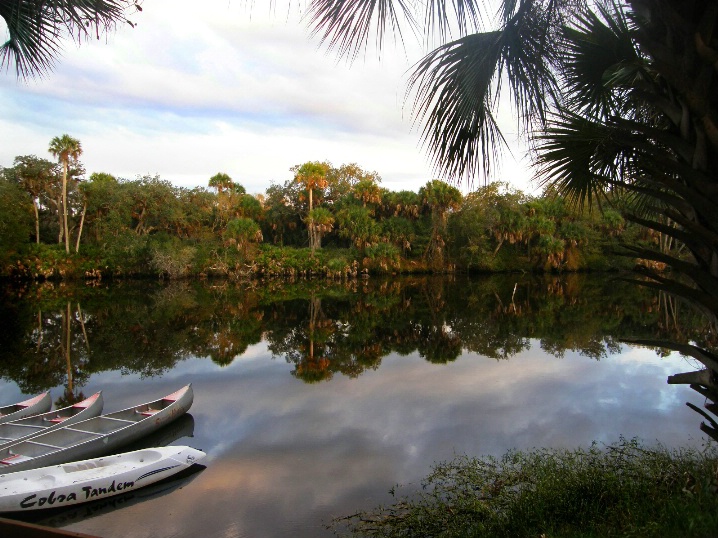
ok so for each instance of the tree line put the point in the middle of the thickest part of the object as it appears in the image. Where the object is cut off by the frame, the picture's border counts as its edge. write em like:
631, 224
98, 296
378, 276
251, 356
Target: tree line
322, 219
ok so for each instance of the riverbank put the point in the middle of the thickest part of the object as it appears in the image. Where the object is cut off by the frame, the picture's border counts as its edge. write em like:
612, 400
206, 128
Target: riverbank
197, 260
623, 489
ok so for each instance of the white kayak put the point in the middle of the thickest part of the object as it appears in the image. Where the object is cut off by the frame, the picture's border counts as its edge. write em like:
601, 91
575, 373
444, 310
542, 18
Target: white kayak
89, 480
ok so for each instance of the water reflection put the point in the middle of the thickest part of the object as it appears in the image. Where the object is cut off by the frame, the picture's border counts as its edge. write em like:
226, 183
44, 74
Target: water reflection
62, 335
312, 399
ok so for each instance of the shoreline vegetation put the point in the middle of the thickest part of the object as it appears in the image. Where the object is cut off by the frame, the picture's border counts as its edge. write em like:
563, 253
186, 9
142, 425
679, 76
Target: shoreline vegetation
623, 489
171, 263
326, 222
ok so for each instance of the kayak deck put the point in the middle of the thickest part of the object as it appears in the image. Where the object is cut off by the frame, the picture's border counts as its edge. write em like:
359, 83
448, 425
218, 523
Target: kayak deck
97, 469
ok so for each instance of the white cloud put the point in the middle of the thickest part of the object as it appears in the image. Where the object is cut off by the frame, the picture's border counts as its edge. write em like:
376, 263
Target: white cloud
192, 91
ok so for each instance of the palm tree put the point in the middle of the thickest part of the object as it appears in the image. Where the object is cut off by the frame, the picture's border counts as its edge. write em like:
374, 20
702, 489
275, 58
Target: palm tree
242, 231
224, 185
35, 175
312, 175
440, 198
357, 224
367, 191
36, 28
66, 149
221, 181
643, 119
319, 221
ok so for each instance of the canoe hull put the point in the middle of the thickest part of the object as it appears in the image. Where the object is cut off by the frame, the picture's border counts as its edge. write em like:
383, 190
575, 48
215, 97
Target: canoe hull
95, 436
29, 427
33, 406
89, 480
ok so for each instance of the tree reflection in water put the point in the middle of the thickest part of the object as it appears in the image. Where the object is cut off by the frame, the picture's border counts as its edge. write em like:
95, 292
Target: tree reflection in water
322, 327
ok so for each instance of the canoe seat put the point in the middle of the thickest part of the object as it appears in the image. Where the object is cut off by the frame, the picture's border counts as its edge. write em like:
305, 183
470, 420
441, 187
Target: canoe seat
56, 420
8, 460
149, 412
14, 458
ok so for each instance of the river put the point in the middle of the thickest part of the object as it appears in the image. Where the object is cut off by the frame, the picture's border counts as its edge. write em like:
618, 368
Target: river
314, 399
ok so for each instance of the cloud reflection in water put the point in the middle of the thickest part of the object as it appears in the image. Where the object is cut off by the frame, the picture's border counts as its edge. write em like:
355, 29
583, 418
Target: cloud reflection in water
285, 456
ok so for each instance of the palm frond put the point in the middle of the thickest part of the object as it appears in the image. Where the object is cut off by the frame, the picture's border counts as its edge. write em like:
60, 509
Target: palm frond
34, 38
702, 293
458, 85
529, 57
580, 157
601, 62
37, 28
465, 14
453, 98
345, 26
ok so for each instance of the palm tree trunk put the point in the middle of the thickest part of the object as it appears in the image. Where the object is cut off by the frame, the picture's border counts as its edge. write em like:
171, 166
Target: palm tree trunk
79, 233
39, 329
496, 250
61, 233
64, 207
82, 324
37, 221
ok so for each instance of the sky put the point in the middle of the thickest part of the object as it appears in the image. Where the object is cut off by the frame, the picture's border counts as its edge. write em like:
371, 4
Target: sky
229, 87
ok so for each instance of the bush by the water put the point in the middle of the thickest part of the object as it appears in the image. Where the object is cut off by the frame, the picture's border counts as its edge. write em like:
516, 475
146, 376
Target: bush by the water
624, 489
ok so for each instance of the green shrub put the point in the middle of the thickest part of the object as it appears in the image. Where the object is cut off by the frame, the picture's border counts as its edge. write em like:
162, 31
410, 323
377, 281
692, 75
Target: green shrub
625, 489
171, 257
383, 251
128, 253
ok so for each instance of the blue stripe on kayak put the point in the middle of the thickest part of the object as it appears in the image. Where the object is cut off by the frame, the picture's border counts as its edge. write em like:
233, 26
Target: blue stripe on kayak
155, 472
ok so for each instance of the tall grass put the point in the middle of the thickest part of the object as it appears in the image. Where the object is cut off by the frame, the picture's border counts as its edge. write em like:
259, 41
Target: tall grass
624, 489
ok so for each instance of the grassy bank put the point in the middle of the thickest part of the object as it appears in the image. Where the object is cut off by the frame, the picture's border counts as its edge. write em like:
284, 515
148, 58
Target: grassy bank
624, 489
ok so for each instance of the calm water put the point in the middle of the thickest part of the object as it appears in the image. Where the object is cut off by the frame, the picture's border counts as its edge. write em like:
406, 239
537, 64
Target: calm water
312, 400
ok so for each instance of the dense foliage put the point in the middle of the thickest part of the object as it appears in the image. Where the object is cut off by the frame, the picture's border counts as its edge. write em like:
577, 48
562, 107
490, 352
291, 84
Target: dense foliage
326, 220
